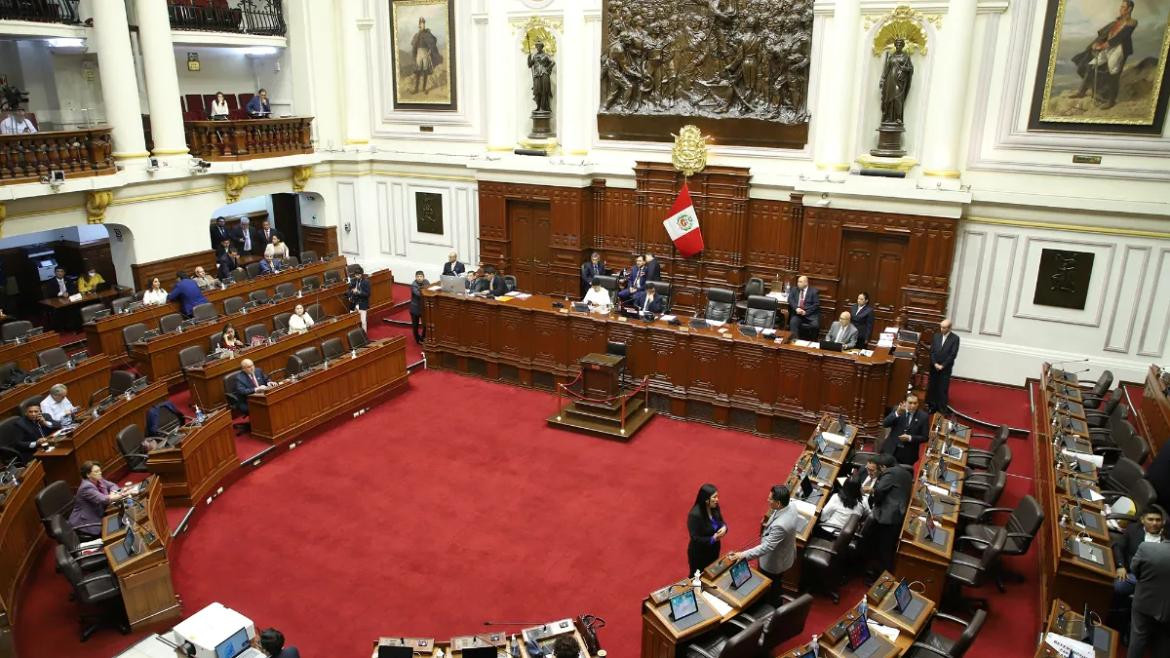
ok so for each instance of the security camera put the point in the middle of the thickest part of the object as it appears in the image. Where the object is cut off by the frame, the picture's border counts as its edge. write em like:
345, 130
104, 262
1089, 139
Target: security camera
55, 179
152, 165
200, 166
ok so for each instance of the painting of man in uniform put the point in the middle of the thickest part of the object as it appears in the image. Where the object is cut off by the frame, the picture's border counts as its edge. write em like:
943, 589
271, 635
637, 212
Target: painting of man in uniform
1103, 65
424, 61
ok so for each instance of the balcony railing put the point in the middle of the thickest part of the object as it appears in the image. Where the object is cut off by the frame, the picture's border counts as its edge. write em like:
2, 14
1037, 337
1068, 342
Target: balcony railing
264, 17
28, 158
42, 11
248, 139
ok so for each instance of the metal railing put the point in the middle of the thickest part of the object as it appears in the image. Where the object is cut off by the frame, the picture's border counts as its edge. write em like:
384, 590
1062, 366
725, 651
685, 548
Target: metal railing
43, 11
263, 17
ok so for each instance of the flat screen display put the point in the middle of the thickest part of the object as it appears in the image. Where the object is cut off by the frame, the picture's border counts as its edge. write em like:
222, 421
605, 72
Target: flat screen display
233, 646
858, 633
740, 574
683, 605
902, 596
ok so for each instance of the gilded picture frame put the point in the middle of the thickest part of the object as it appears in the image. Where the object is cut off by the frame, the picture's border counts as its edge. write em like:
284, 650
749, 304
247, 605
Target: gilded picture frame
422, 37
1103, 67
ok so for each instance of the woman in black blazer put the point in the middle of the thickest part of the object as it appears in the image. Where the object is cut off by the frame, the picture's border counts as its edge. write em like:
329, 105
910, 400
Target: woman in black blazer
862, 318
706, 527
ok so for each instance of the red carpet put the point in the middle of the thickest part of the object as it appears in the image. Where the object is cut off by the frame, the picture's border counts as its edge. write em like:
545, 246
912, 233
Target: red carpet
995, 404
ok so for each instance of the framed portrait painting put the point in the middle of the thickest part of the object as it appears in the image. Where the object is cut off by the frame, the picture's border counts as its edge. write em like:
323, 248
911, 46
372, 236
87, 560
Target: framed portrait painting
1103, 67
422, 35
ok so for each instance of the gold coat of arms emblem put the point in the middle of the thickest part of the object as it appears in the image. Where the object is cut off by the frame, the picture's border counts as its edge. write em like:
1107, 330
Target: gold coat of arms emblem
689, 154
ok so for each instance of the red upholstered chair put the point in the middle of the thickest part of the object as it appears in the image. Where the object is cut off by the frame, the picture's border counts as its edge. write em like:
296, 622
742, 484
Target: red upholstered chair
195, 105
233, 104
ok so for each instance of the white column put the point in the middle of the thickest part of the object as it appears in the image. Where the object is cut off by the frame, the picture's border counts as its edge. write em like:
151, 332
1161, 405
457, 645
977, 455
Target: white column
119, 87
835, 96
948, 91
571, 54
498, 87
355, 35
162, 82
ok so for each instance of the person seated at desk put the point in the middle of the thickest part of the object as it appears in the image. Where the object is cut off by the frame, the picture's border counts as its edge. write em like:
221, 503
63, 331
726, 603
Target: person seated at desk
276, 249
908, 430
187, 294
843, 505
219, 108
31, 431
269, 265
598, 298
249, 380
861, 315
258, 107
842, 331
59, 286
202, 278
804, 307
648, 301
594, 267
156, 295
229, 340
492, 283
56, 405
93, 496
566, 646
474, 280
271, 642
453, 267
635, 283
89, 282
228, 262
17, 123
299, 322
1152, 528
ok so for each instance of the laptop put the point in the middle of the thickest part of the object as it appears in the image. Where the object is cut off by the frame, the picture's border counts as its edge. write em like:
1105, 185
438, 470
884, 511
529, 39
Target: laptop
830, 346
816, 468
683, 605
581, 307
452, 284
740, 574
234, 645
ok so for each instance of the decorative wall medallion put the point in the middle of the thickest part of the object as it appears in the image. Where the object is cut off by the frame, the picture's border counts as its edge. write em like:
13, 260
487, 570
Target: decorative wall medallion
1064, 278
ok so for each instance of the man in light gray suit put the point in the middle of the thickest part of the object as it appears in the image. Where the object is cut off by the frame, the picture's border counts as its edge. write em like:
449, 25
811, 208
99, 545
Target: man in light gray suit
843, 331
777, 547
1149, 624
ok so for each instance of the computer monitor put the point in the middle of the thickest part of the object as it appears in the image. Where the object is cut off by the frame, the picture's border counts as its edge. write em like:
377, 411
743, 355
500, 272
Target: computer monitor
683, 605
479, 652
831, 346
814, 465
740, 574
234, 645
130, 543
902, 596
858, 633
806, 487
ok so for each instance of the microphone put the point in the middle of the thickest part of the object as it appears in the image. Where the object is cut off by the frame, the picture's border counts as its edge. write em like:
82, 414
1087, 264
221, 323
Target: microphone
1057, 363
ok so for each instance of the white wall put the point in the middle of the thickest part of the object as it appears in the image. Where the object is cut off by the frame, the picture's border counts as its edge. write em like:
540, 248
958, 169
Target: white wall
245, 206
236, 71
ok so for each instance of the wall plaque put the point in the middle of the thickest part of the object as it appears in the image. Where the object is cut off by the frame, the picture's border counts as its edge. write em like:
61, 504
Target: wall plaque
428, 212
1064, 278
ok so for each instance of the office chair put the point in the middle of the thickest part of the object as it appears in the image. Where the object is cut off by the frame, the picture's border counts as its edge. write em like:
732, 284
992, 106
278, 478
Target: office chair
1020, 529
119, 305
1100, 417
55, 498
90, 312
968, 570
976, 481
192, 355
6, 370
204, 312
615, 348
663, 291
743, 644
1128, 444
786, 623
15, 329
294, 366
332, 277
120, 382
719, 304
254, 330
308, 256
292, 261
932, 645
332, 348
232, 305
9, 435
971, 507
357, 338
509, 282
240, 275
981, 459
285, 290
170, 322
760, 312
311, 282
1093, 396
824, 559
65, 535
235, 403
252, 269
97, 595
1121, 480
309, 356
258, 296
54, 357
280, 321
314, 311
608, 282
755, 286
129, 442
133, 333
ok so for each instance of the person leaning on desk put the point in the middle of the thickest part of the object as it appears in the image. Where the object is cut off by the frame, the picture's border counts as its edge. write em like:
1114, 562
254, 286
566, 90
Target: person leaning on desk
93, 496
648, 301
777, 547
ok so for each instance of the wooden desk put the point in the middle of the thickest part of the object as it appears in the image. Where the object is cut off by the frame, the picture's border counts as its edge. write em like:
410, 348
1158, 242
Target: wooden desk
201, 460
158, 357
24, 353
722, 378
90, 375
427, 646
923, 560
206, 381
840, 649
21, 535
884, 609
105, 334
97, 438
662, 636
56, 307
147, 504
292, 408
144, 577
1155, 411
1064, 621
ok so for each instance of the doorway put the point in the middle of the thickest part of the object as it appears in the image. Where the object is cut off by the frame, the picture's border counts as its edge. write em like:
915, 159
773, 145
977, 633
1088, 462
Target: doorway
873, 263
530, 229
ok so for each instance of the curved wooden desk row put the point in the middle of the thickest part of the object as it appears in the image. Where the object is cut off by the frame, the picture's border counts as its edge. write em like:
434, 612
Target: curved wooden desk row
1155, 411
24, 353
84, 379
22, 532
429, 647
723, 378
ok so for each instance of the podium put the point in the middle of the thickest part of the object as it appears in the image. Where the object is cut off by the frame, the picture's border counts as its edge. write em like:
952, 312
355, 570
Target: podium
598, 405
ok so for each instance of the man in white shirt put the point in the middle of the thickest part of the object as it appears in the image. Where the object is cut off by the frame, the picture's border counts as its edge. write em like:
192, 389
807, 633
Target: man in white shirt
17, 124
56, 407
598, 299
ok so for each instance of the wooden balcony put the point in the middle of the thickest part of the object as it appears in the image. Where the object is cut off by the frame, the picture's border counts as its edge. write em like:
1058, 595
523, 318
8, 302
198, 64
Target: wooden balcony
248, 139
41, 11
28, 158
265, 17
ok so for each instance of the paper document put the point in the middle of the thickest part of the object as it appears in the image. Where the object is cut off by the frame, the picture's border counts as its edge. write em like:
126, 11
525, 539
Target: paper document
804, 507
890, 634
715, 323
938, 491
721, 608
1094, 496
1065, 644
769, 332
867, 353
668, 318
1096, 460
801, 343
777, 295
835, 438
890, 330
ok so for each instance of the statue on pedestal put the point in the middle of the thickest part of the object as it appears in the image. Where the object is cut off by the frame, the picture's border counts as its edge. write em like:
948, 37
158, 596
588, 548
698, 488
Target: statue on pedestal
542, 66
897, 73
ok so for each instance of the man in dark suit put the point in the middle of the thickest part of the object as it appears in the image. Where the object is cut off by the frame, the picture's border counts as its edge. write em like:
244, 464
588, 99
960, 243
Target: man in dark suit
804, 308
648, 301
944, 347
59, 286
590, 269
453, 267
266, 232
227, 263
1151, 528
1149, 624
416, 306
636, 282
493, 283
270, 265
908, 430
249, 380
888, 502
31, 431
219, 233
861, 315
653, 268
186, 294
359, 294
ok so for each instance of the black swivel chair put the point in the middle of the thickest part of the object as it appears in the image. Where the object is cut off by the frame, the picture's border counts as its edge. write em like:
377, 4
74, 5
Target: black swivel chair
258, 296
310, 356
311, 282
170, 322
1100, 416
292, 261
357, 338
786, 623
54, 357
332, 348
252, 269
120, 382
755, 286
15, 329
119, 305
90, 312
133, 333
1092, 397
8, 434
971, 508
1021, 528
129, 442
760, 312
285, 290
609, 283
192, 355
97, 595
720, 303
743, 644
824, 559
314, 311
232, 305
280, 321
235, 402
254, 330
932, 645
332, 277
55, 498
981, 459
294, 366
617, 349
977, 481
973, 570
60, 530
308, 256
1121, 480
204, 312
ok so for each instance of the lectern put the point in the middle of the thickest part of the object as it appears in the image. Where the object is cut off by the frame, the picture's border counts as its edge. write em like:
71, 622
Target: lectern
601, 375
601, 406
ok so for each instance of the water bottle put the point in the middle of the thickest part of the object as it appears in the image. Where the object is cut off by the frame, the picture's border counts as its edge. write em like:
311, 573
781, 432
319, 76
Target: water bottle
514, 647
353, 353
299, 294
863, 607
198, 415
954, 488
697, 582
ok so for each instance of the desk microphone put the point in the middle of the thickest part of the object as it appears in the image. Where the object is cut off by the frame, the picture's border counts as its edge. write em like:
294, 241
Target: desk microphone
1069, 361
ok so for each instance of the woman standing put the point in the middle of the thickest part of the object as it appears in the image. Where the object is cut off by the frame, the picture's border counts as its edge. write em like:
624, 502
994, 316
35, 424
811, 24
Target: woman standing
706, 527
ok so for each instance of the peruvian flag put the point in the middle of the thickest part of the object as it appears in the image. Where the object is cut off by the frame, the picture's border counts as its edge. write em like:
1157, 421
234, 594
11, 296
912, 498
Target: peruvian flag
683, 225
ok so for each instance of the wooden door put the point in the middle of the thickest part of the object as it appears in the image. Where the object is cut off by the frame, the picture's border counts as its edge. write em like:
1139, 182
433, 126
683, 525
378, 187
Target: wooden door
872, 262
530, 230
